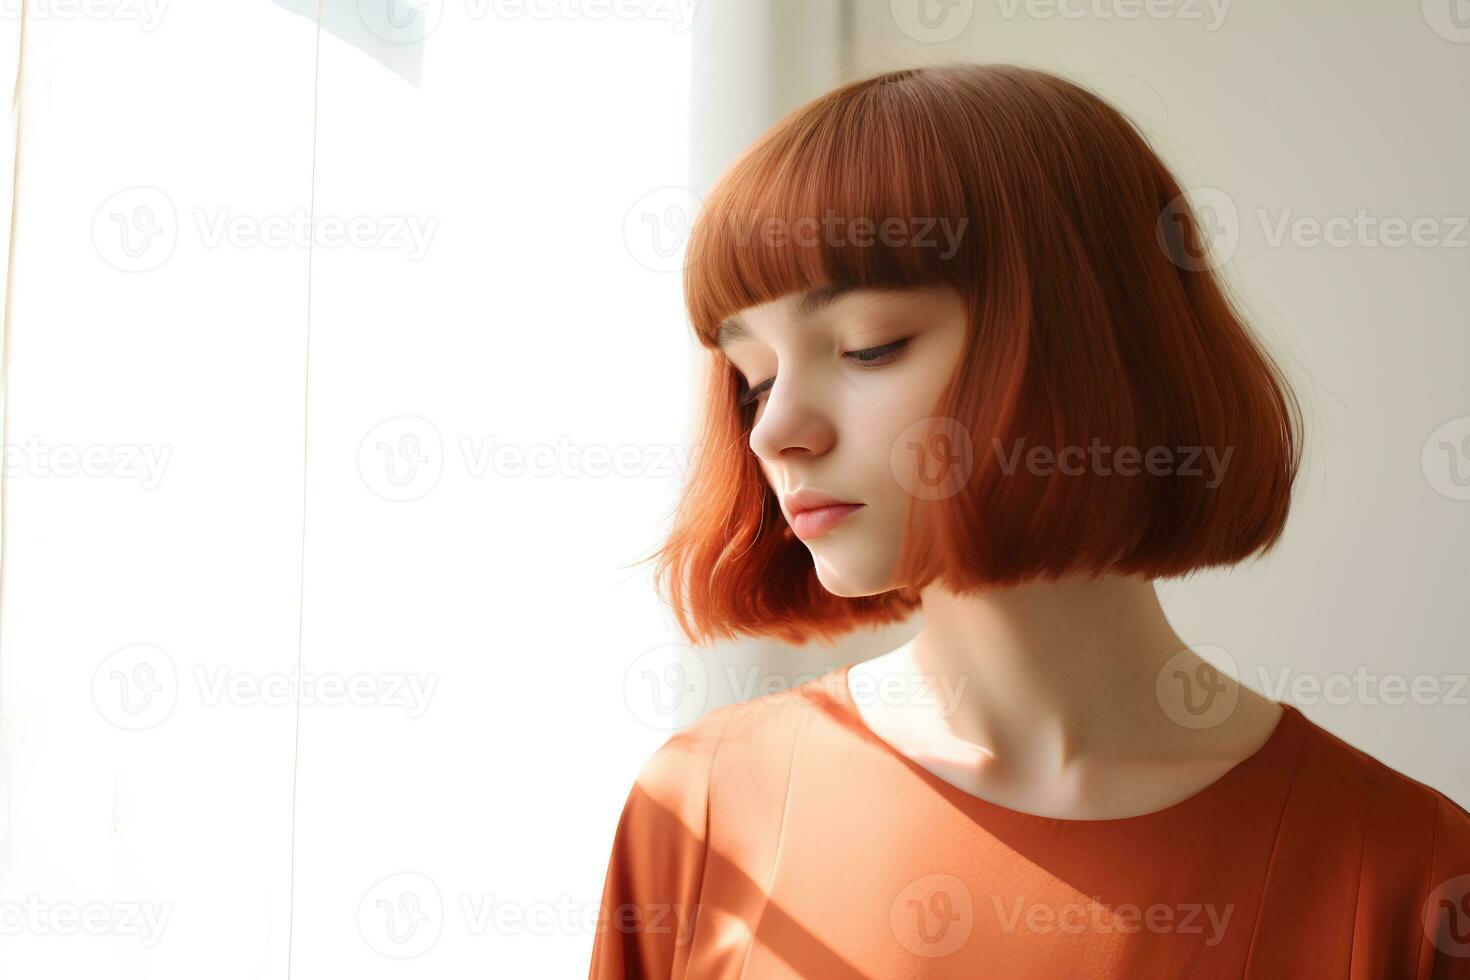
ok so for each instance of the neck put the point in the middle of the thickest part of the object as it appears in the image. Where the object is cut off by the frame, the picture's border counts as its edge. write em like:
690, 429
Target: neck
1053, 670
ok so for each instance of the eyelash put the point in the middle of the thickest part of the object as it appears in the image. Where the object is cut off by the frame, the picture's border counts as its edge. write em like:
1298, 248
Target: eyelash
877, 357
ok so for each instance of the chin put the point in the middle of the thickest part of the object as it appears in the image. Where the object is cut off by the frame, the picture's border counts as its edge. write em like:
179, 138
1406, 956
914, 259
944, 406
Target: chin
848, 575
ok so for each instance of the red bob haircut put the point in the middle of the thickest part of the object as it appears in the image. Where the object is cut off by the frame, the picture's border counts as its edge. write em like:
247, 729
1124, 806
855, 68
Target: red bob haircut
1091, 316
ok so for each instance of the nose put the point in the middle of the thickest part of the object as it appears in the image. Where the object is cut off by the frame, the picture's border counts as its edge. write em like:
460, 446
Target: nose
792, 423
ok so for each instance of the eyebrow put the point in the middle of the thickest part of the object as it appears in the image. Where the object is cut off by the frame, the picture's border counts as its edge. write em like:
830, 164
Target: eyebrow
812, 302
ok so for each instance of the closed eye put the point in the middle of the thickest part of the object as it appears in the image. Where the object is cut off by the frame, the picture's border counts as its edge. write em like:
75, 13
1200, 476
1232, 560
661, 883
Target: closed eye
868, 357
872, 356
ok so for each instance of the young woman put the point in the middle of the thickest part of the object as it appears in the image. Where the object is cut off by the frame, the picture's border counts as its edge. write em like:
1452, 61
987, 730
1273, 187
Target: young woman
967, 354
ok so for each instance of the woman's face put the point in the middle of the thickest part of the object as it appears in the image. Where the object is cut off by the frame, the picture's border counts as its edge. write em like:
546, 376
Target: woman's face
842, 380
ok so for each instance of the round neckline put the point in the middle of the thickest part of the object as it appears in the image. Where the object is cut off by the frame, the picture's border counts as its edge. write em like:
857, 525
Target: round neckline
1206, 794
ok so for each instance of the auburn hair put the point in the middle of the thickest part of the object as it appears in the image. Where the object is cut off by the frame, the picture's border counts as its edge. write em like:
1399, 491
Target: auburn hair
1092, 315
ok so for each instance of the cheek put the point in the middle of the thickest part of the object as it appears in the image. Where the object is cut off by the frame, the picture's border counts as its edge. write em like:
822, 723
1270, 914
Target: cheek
877, 423
880, 418
873, 427
890, 425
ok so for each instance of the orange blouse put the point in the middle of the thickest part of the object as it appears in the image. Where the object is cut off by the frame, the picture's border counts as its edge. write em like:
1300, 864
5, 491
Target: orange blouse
781, 837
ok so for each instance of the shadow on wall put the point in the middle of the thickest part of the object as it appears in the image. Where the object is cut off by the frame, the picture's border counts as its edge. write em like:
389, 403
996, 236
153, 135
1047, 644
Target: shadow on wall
392, 32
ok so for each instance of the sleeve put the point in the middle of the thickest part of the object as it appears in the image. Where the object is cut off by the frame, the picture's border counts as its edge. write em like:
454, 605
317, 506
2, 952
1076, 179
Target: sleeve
650, 898
1445, 953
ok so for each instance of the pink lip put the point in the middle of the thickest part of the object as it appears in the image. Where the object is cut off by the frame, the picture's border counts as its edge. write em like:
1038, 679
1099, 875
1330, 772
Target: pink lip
819, 520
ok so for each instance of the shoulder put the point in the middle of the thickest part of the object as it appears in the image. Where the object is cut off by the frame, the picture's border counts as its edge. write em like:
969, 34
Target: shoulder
706, 778
732, 757
655, 874
1405, 803
733, 740
1404, 830
670, 794
709, 793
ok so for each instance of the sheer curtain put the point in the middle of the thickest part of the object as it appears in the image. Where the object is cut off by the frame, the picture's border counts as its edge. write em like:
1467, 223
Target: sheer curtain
347, 374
